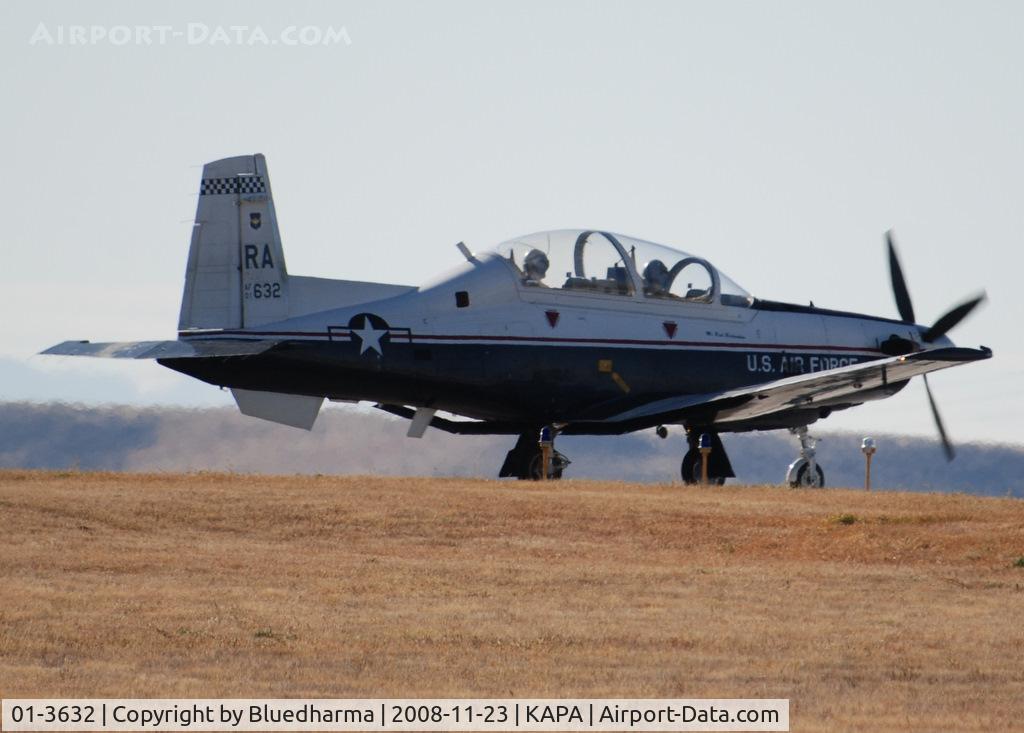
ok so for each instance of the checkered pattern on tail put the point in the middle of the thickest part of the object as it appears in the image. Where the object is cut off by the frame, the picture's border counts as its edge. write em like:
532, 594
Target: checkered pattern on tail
239, 184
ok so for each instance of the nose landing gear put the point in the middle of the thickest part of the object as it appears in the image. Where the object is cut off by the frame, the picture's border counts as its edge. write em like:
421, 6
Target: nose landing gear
805, 471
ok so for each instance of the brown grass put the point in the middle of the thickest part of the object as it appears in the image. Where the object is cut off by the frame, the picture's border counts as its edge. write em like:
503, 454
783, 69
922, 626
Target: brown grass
868, 611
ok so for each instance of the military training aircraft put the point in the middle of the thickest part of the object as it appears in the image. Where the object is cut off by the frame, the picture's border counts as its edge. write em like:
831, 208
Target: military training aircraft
571, 332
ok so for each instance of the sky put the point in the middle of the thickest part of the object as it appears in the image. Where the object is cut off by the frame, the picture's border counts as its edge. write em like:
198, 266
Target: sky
779, 140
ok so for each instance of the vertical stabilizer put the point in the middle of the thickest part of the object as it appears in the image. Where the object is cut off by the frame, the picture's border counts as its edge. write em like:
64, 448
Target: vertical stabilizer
236, 274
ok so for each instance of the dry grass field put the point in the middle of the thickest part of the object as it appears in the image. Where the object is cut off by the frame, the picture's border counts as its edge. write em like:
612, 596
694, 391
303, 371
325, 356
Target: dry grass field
876, 611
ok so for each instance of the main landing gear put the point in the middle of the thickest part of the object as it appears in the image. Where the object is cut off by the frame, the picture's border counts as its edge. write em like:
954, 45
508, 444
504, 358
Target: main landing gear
719, 467
805, 471
524, 461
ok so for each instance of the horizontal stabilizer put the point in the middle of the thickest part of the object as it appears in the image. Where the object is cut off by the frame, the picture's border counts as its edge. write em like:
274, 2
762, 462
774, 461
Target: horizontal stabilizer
191, 349
297, 411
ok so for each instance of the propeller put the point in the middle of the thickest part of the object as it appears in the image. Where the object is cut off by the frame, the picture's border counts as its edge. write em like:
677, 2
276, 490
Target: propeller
947, 445
899, 284
937, 330
952, 317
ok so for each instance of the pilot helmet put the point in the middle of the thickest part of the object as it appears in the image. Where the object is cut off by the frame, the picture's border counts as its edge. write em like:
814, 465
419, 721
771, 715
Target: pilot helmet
536, 264
656, 276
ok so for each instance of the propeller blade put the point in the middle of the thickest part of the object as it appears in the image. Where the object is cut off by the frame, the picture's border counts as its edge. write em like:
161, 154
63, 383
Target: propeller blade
951, 318
947, 446
899, 284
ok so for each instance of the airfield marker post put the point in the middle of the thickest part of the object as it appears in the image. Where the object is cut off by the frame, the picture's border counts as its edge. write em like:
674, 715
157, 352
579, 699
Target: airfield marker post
545, 443
868, 447
704, 444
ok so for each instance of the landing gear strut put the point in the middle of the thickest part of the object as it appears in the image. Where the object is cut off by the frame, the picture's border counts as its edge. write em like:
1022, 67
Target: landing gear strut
719, 468
524, 460
805, 471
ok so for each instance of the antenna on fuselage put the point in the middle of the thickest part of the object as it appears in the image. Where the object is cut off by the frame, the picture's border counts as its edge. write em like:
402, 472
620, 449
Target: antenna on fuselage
461, 246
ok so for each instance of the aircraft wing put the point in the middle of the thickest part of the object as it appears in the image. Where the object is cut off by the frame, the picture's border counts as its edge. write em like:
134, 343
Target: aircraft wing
191, 349
825, 388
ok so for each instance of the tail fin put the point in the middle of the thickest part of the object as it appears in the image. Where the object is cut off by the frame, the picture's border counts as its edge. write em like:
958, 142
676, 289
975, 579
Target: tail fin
236, 275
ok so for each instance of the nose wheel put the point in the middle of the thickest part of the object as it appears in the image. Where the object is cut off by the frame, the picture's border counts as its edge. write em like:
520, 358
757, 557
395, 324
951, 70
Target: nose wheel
805, 471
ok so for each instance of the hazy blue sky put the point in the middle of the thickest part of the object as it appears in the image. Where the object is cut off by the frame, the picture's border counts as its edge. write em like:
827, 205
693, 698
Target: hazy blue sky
780, 140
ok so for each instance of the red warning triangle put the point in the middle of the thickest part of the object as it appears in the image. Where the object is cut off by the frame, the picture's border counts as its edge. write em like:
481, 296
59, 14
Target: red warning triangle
670, 328
552, 318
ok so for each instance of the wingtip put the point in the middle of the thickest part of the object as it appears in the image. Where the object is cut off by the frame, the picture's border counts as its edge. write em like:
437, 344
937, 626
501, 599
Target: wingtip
61, 348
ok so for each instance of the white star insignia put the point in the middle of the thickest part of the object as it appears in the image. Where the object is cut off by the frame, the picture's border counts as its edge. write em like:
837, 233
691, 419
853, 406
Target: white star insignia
370, 337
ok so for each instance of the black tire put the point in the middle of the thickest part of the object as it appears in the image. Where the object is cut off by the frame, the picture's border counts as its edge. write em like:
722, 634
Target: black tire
691, 470
801, 478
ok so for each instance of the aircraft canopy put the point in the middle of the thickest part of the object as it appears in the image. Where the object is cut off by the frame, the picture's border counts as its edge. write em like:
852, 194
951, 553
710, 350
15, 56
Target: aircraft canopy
603, 262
